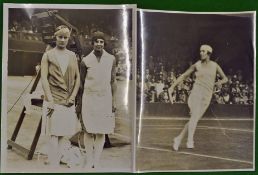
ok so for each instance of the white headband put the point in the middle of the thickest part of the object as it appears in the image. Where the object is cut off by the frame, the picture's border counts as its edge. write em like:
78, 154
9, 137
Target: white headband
63, 31
207, 48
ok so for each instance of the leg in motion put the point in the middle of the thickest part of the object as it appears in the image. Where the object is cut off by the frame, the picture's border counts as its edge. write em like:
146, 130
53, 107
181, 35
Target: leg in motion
179, 138
191, 130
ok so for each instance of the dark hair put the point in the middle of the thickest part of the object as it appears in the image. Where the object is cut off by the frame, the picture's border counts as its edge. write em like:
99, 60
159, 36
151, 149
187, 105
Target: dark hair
98, 35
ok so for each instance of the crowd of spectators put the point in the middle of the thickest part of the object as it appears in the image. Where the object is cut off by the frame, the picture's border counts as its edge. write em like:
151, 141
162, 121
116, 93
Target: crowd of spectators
159, 78
236, 91
26, 30
86, 30
23, 30
22, 26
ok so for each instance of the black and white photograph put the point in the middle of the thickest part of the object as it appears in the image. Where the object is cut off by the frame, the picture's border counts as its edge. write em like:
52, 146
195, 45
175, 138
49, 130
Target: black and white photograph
195, 91
68, 88
109, 88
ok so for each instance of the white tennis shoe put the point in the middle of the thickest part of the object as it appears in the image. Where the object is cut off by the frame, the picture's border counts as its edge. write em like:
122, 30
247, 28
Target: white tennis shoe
176, 143
190, 144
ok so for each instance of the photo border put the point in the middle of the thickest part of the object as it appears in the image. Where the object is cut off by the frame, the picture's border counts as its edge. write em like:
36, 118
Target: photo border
4, 114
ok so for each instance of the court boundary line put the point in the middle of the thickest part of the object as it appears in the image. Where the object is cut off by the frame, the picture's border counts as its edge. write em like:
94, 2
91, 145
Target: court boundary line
198, 127
122, 137
187, 118
195, 154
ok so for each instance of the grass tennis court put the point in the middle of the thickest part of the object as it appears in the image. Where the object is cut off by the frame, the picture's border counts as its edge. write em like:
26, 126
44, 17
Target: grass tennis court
220, 143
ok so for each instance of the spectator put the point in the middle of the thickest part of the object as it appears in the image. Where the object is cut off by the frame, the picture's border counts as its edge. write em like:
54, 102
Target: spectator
163, 97
159, 86
226, 97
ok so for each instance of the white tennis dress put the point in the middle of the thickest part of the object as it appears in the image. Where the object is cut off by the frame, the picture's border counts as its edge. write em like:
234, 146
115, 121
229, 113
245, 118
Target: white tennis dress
63, 121
201, 93
97, 96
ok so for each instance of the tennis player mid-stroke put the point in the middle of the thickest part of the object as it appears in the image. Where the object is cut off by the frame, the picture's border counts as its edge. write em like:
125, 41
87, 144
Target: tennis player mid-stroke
205, 72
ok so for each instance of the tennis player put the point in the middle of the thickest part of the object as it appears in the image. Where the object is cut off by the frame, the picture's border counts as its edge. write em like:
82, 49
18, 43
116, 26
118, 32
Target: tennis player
199, 99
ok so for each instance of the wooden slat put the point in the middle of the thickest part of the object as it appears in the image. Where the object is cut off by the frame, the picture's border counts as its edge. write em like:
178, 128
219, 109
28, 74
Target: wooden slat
24, 150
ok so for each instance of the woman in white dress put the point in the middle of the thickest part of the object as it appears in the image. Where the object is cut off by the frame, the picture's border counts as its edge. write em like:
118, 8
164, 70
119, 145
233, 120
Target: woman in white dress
97, 104
60, 80
205, 72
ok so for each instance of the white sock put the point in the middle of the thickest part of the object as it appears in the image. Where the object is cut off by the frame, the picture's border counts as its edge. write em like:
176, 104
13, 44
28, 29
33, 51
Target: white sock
88, 143
98, 148
53, 151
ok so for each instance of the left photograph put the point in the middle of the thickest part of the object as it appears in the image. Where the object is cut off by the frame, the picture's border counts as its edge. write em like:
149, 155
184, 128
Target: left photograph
68, 102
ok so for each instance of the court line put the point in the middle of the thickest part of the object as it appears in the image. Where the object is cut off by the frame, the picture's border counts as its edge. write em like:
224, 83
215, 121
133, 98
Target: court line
187, 118
198, 127
123, 118
239, 130
197, 155
228, 129
123, 137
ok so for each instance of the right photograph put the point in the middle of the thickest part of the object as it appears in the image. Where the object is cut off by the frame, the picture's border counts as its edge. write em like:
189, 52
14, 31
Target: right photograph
195, 91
